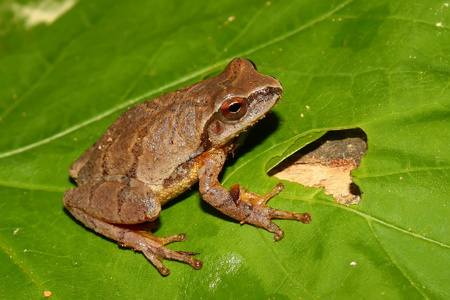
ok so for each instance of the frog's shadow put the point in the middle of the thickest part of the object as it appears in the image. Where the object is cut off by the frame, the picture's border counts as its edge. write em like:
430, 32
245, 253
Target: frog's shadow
256, 135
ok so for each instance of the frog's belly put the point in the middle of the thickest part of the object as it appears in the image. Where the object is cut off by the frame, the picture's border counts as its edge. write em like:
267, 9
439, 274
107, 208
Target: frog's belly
179, 181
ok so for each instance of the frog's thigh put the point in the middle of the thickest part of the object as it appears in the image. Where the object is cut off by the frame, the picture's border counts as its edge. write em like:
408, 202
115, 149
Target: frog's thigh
114, 202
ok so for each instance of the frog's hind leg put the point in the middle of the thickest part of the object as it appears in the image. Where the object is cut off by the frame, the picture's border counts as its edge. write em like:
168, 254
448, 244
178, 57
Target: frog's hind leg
151, 246
127, 202
110, 208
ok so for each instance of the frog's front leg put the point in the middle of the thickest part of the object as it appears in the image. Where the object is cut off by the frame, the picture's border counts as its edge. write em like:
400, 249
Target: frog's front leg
110, 207
238, 203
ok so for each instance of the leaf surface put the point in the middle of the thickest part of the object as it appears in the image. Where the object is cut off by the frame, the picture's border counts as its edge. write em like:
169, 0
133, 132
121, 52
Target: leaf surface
381, 66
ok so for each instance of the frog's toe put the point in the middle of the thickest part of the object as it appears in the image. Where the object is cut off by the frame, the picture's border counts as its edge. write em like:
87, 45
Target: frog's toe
275, 229
179, 237
162, 252
157, 262
282, 214
153, 247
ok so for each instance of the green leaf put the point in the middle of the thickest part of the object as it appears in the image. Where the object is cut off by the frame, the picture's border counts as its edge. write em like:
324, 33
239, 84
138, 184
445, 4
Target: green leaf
381, 66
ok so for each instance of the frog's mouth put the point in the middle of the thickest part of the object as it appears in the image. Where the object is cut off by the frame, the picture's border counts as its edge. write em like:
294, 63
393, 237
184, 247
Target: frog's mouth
260, 102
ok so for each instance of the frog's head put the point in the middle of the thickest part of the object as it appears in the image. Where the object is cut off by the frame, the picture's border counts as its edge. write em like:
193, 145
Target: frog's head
243, 97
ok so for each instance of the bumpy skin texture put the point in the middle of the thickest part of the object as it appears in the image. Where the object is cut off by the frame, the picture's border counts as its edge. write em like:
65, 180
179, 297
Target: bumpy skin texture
157, 149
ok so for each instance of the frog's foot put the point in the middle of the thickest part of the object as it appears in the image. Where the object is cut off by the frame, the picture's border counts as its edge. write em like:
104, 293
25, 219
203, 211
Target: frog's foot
154, 249
151, 246
260, 214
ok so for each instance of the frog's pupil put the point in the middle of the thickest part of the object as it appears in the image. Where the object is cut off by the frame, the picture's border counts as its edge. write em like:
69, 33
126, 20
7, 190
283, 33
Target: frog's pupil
234, 107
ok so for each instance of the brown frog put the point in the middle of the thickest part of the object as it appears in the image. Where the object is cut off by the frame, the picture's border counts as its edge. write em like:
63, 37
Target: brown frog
158, 149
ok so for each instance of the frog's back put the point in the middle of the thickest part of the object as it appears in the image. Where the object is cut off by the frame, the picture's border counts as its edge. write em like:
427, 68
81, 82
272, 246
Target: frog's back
149, 141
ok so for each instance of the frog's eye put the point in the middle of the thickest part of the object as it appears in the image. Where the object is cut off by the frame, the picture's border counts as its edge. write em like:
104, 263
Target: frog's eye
233, 108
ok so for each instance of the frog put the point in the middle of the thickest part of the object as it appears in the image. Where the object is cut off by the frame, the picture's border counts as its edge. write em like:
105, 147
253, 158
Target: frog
158, 149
